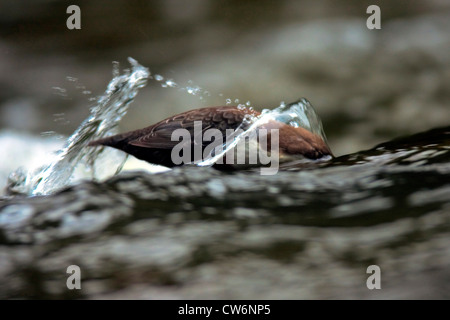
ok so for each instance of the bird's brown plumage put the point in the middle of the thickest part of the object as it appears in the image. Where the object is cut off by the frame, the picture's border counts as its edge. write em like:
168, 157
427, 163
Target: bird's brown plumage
154, 144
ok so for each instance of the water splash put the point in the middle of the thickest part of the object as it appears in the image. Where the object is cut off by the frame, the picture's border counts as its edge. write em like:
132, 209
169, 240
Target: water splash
252, 123
191, 88
196, 90
300, 113
110, 109
297, 114
103, 120
62, 92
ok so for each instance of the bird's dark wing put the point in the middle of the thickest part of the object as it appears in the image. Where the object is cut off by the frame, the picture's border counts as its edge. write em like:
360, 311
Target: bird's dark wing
154, 144
159, 136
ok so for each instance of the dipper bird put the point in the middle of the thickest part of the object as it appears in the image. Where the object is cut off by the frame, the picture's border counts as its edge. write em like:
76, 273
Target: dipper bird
154, 144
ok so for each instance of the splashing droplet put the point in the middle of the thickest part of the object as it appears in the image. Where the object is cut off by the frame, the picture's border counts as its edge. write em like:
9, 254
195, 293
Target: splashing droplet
116, 69
170, 83
60, 91
48, 134
195, 90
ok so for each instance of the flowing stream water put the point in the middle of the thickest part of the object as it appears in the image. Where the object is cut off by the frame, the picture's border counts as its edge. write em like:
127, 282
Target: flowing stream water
310, 231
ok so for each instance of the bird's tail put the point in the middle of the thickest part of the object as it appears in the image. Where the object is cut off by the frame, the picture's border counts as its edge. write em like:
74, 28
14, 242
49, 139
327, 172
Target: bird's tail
112, 141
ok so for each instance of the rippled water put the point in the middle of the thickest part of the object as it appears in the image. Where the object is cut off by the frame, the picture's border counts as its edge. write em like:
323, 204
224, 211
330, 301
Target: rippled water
197, 233
310, 231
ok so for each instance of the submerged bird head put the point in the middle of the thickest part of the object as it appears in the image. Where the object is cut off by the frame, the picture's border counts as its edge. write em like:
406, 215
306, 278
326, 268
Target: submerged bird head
297, 142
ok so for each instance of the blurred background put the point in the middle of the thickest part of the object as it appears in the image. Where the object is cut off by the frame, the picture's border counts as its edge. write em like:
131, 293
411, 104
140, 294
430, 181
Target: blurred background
368, 86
